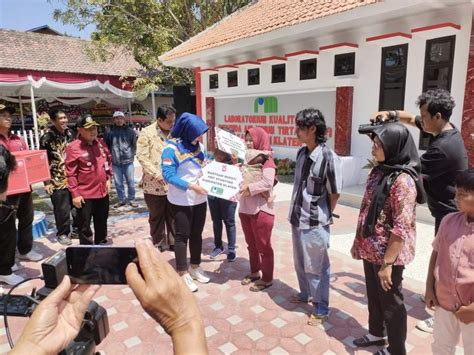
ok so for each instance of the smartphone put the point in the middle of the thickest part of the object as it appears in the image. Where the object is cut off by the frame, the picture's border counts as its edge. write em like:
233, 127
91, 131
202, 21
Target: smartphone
100, 265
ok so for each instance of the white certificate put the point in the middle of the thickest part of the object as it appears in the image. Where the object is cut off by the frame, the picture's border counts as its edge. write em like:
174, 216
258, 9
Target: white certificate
221, 180
230, 143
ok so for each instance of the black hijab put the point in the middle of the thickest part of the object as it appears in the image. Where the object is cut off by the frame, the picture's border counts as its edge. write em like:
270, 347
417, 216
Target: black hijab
400, 156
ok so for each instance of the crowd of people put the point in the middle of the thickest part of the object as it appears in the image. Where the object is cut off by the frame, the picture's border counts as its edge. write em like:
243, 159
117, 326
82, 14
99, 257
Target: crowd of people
172, 158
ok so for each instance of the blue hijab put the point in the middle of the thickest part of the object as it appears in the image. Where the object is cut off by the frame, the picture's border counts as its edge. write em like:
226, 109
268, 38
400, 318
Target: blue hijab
185, 130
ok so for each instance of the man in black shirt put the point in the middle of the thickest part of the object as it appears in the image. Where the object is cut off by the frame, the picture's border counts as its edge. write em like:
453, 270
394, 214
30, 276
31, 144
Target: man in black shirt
444, 159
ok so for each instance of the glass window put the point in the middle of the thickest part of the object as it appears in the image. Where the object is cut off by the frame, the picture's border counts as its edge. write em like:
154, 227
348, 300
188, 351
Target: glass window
344, 64
393, 77
308, 69
278, 73
253, 76
232, 79
213, 81
439, 58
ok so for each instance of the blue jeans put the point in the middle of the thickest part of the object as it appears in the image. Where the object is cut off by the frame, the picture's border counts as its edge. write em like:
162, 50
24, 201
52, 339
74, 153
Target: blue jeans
121, 172
223, 211
310, 254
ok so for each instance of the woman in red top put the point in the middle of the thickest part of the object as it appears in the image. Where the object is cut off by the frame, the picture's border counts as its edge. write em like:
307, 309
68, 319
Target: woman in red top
385, 237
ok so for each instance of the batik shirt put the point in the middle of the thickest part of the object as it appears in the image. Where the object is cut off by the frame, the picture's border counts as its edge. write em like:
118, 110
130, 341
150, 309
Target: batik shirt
55, 144
398, 217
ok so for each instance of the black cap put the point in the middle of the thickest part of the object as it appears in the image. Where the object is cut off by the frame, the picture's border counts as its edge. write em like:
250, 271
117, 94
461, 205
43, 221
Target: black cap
7, 108
86, 122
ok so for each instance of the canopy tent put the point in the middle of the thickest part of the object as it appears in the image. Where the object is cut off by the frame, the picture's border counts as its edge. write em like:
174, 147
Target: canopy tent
68, 88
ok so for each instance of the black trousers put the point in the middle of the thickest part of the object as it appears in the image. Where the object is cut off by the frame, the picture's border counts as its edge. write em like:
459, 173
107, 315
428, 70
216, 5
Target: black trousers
63, 210
387, 313
98, 211
9, 232
189, 222
161, 219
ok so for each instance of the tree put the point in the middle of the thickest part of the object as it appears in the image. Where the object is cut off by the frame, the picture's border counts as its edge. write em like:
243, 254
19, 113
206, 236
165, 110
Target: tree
147, 29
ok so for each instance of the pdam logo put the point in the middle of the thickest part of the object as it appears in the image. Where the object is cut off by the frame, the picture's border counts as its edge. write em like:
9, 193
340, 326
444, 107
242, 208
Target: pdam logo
269, 104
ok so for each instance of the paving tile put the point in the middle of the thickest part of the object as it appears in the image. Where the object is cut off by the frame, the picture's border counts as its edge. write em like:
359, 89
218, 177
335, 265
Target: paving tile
302, 338
120, 326
131, 342
234, 320
111, 311
228, 348
217, 306
126, 290
278, 351
257, 309
101, 299
239, 297
349, 341
210, 331
254, 335
278, 322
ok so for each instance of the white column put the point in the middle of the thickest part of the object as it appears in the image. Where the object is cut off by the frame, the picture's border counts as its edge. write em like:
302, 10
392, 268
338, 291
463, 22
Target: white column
153, 105
129, 108
21, 113
35, 119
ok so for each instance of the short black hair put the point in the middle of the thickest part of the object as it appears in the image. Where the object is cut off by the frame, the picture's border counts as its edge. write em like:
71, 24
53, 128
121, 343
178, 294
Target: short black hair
53, 113
438, 100
312, 117
465, 180
164, 110
7, 164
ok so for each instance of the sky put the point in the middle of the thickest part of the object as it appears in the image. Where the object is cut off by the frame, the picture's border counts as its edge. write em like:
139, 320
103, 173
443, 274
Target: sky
23, 15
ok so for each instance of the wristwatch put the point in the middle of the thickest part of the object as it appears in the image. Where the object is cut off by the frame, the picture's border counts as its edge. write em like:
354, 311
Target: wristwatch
385, 264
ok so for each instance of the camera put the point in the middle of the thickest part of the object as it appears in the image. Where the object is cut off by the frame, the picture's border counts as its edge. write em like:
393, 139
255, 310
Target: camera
393, 116
95, 325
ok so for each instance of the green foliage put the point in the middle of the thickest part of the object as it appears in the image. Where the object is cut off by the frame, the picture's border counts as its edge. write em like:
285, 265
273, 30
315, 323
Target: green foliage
146, 28
285, 166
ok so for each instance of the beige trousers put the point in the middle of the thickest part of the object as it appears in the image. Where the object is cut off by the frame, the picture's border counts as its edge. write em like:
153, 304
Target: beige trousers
446, 331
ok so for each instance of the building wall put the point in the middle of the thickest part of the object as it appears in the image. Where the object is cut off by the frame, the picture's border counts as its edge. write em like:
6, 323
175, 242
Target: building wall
366, 80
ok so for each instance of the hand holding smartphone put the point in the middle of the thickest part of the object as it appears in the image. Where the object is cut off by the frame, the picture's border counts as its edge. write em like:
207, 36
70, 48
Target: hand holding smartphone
100, 265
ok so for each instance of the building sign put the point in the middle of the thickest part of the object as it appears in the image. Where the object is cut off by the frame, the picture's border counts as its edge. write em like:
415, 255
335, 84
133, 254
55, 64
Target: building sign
276, 114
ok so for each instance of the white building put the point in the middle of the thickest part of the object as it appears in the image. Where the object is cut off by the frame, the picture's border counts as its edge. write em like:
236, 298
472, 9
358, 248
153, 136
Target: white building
264, 63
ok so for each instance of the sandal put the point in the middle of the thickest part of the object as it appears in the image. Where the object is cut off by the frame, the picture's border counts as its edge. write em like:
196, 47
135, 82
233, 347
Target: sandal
249, 279
315, 319
364, 341
260, 286
296, 298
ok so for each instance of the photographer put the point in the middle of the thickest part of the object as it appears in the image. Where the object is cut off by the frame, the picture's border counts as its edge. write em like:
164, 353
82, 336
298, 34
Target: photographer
444, 159
57, 320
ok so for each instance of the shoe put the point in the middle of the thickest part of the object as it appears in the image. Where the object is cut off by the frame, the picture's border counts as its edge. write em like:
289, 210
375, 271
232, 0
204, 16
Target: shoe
64, 240
231, 256
74, 234
189, 282
260, 285
171, 248
31, 256
216, 252
11, 279
364, 341
119, 204
426, 325
316, 319
103, 242
133, 204
199, 275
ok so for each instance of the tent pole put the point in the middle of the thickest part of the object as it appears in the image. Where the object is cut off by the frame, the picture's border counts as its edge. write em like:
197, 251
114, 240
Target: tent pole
153, 105
129, 108
35, 119
21, 114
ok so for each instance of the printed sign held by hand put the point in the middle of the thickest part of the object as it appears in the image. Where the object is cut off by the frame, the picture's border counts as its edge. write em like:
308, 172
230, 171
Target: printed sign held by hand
221, 180
230, 143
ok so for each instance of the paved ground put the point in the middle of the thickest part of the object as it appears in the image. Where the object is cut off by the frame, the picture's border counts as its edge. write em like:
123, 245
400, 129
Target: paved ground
238, 321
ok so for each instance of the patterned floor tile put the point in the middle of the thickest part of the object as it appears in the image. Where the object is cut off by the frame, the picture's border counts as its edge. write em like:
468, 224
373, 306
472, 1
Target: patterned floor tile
254, 335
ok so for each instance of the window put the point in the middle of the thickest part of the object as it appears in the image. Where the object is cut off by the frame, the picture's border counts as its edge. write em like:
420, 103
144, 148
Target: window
344, 64
213, 81
393, 77
308, 69
439, 58
253, 76
232, 79
278, 73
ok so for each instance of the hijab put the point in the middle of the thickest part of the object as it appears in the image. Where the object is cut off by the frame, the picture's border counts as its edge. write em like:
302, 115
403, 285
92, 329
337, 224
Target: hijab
186, 129
401, 155
261, 141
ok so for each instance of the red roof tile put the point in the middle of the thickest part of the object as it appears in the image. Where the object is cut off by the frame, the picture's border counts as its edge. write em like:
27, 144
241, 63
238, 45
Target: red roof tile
43, 52
261, 17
